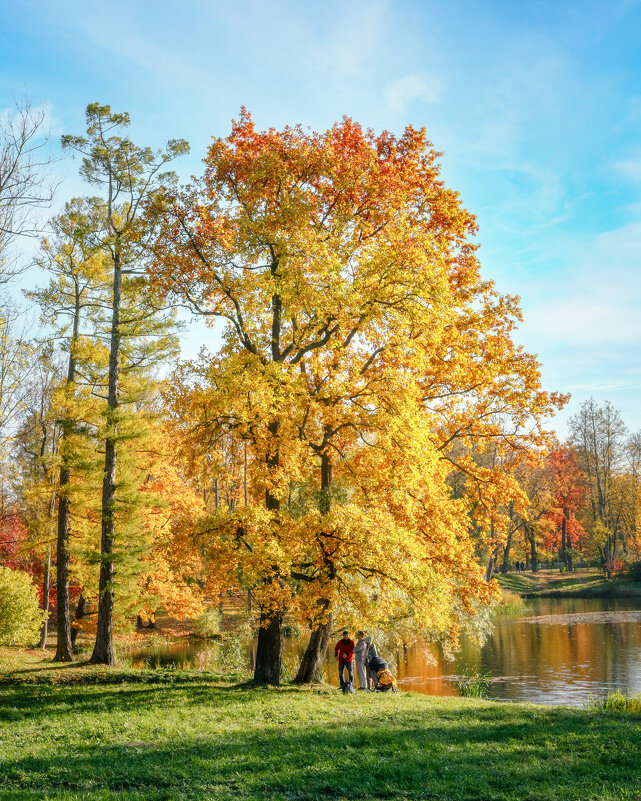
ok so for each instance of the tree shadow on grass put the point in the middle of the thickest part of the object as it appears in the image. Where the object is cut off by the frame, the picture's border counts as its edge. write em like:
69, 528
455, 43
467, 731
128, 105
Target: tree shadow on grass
45, 702
555, 755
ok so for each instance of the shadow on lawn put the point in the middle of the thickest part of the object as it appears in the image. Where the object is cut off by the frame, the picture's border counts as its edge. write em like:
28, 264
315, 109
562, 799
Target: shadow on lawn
492, 753
42, 702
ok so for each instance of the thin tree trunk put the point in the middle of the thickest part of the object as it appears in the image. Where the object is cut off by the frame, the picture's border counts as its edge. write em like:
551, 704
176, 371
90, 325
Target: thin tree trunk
64, 647
245, 474
534, 561
491, 565
45, 600
64, 651
79, 614
563, 554
506, 551
103, 653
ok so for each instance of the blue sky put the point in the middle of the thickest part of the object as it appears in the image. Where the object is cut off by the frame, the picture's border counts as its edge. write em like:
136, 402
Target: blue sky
535, 105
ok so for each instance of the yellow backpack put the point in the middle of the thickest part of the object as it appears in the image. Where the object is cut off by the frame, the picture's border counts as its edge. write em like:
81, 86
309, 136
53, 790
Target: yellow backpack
386, 681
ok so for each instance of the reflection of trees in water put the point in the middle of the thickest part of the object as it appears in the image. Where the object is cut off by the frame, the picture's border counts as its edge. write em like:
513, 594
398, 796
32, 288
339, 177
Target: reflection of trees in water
567, 659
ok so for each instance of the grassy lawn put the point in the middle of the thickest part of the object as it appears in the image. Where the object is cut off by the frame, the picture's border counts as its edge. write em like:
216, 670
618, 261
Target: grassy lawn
586, 583
93, 733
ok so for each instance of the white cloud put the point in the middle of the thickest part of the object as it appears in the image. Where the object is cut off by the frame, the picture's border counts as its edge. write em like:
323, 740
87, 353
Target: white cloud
346, 49
630, 168
596, 303
400, 93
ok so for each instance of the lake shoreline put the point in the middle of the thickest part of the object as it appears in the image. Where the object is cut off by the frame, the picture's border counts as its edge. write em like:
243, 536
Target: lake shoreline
582, 583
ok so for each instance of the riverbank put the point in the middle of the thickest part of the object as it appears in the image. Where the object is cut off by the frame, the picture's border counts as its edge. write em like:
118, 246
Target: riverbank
71, 732
584, 583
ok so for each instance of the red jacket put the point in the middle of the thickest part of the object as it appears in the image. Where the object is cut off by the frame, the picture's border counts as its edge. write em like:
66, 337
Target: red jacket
344, 651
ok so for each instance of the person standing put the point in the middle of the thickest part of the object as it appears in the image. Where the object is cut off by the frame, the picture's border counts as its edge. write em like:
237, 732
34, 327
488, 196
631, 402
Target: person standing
370, 651
344, 652
359, 659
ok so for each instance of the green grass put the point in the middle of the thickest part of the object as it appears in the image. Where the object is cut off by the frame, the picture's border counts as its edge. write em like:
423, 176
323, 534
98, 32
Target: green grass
179, 735
618, 701
586, 583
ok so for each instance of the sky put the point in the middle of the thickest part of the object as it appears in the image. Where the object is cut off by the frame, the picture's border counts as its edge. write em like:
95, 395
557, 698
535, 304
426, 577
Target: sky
536, 107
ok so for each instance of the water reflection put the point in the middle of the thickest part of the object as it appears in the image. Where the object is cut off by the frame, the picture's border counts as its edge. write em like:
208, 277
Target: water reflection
561, 651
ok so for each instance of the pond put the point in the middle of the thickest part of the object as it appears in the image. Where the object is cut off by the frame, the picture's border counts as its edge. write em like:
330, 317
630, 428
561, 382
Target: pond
560, 651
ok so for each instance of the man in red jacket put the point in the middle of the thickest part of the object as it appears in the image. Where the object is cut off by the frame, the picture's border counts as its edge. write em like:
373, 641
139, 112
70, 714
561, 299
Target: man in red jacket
344, 652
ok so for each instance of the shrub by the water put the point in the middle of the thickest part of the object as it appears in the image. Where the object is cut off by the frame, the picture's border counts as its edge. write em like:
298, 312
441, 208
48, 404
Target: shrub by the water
209, 623
20, 613
474, 685
617, 702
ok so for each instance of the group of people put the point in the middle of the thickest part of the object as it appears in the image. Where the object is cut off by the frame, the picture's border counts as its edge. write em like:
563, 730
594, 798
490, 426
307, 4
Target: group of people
520, 567
372, 671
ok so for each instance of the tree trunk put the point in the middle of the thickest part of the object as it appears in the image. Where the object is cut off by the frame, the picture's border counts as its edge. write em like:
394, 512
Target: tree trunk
311, 666
563, 554
506, 551
269, 653
608, 557
64, 650
568, 542
64, 646
270, 637
531, 538
103, 653
491, 564
79, 614
45, 600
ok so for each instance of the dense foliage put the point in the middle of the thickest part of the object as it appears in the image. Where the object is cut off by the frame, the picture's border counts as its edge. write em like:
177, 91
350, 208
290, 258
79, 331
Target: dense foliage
366, 441
20, 613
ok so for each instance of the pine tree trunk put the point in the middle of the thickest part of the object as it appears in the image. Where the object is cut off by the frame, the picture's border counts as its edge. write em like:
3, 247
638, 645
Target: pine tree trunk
45, 600
64, 651
64, 646
103, 653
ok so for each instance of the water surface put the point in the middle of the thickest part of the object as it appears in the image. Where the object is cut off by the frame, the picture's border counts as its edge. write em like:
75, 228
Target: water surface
560, 651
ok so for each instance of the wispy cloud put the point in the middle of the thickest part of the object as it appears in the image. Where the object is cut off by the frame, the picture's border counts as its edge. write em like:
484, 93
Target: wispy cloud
629, 168
400, 93
594, 303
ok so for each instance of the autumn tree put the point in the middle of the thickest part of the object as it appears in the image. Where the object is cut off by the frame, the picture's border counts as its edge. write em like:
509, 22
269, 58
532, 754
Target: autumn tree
35, 453
568, 491
598, 434
128, 176
344, 271
72, 256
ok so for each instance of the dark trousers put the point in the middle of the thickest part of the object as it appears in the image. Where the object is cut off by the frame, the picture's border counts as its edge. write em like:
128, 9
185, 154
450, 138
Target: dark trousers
350, 673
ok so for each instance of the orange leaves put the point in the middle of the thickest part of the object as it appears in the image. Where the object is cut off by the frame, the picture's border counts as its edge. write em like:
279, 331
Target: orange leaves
359, 334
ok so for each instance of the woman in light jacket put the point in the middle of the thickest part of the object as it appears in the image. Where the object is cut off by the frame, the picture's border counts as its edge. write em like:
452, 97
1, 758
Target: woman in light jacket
370, 651
359, 658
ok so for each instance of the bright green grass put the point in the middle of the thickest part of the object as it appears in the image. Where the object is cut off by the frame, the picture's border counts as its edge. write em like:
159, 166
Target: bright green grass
162, 735
586, 583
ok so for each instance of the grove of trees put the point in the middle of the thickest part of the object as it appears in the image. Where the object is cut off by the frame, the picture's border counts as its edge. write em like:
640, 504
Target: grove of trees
362, 438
